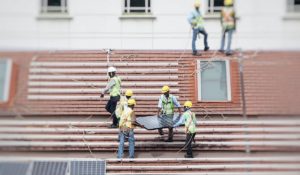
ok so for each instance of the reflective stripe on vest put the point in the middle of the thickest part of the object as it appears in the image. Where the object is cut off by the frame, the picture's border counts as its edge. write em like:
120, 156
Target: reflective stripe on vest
125, 121
190, 121
167, 105
115, 91
228, 18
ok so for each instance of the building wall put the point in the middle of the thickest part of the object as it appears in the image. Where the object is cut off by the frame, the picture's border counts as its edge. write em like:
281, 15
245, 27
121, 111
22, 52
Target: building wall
96, 24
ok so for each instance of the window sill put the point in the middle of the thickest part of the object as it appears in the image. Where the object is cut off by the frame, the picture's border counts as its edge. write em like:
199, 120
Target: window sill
54, 16
137, 16
291, 16
212, 16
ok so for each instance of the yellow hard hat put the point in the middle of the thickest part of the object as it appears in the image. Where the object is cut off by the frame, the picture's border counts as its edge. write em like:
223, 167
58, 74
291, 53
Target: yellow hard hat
128, 93
197, 3
131, 102
188, 104
228, 2
165, 89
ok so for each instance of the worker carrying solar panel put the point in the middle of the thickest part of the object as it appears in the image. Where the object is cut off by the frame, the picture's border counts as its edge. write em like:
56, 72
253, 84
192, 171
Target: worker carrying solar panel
166, 105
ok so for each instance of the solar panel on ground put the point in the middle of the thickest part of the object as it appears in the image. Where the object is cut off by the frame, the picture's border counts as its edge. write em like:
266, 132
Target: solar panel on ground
155, 122
13, 168
88, 168
49, 168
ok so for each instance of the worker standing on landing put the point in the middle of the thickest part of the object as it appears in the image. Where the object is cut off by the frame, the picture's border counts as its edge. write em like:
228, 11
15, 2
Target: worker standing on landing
228, 22
123, 103
127, 125
113, 87
196, 20
166, 109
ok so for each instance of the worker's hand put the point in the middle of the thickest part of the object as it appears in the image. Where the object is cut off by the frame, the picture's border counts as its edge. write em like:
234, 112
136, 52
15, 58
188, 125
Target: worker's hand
102, 95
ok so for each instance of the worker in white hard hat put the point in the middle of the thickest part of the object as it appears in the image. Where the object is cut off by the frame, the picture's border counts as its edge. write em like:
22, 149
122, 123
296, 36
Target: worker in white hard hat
196, 21
166, 105
113, 87
228, 22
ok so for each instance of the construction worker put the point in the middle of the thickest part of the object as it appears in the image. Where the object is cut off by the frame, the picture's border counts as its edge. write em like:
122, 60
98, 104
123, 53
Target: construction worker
126, 125
190, 123
196, 20
166, 105
113, 87
228, 22
122, 104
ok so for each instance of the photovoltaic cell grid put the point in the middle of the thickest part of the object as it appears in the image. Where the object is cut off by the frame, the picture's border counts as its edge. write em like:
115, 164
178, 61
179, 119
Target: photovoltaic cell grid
13, 168
155, 122
49, 168
88, 168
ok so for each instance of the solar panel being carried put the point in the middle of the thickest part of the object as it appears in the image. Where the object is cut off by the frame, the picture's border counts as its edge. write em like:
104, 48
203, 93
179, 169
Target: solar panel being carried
157, 122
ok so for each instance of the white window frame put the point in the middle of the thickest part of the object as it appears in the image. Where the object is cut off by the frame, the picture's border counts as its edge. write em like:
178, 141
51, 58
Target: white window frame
7, 81
228, 80
58, 9
127, 10
211, 8
292, 7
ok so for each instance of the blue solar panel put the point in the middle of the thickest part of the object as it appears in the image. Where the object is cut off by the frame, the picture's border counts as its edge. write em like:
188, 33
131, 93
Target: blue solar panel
88, 168
13, 168
155, 122
49, 168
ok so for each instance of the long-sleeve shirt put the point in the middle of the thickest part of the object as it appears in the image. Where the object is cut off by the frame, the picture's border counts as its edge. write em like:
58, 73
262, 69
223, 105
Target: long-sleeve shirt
109, 86
175, 102
195, 19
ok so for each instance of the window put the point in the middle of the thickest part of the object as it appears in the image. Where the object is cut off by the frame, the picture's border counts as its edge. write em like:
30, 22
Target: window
137, 6
214, 81
294, 5
5, 77
54, 6
215, 6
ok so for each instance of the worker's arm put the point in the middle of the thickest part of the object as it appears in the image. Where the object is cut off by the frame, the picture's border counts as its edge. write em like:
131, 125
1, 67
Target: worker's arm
109, 85
177, 104
159, 106
133, 118
180, 122
191, 19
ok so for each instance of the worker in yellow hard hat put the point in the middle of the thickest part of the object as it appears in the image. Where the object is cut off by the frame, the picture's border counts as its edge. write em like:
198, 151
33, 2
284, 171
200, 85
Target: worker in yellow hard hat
113, 87
228, 22
126, 125
190, 122
196, 21
123, 103
166, 105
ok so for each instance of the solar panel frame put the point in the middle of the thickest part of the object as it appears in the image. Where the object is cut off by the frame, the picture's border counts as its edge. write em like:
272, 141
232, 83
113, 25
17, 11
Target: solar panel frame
14, 168
97, 167
49, 168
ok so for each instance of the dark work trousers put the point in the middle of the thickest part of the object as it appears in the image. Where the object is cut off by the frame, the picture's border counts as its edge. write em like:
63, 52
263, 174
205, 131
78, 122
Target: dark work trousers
167, 121
111, 108
188, 142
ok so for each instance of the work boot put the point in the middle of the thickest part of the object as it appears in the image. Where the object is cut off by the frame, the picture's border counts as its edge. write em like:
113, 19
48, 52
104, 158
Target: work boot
206, 48
188, 156
113, 126
161, 132
169, 140
228, 53
220, 50
195, 53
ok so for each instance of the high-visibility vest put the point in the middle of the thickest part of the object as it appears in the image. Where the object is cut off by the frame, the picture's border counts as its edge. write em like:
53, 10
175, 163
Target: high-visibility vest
125, 120
190, 121
122, 105
167, 105
197, 20
115, 91
228, 18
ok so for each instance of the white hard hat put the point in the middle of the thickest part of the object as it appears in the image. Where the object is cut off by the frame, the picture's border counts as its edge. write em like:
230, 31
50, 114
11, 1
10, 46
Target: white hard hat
111, 69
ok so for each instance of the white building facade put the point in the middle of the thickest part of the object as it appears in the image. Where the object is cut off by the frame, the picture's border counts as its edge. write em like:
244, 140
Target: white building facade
143, 24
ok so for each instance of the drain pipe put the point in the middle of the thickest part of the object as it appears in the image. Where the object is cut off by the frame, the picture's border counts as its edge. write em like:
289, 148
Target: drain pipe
241, 71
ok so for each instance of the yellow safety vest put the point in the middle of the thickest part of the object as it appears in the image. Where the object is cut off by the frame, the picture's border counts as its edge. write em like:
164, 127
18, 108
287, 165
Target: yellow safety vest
115, 91
125, 120
190, 121
122, 105
167, 105
228, 18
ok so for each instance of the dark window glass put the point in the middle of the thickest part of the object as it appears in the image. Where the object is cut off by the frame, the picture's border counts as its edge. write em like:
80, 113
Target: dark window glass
218, 3
137, 3
297, 2
54, 2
